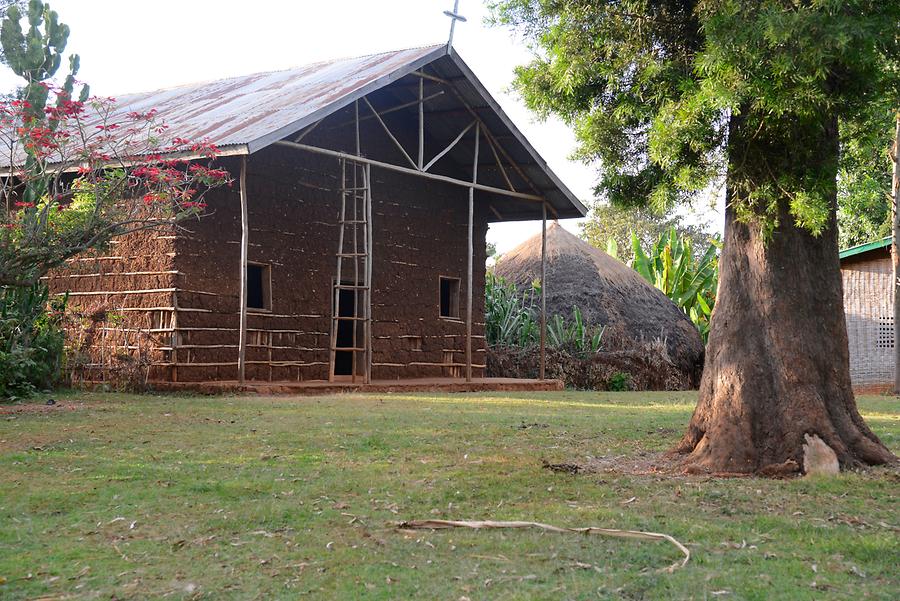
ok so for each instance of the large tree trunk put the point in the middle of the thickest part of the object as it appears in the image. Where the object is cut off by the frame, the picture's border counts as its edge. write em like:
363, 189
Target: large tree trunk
777, 362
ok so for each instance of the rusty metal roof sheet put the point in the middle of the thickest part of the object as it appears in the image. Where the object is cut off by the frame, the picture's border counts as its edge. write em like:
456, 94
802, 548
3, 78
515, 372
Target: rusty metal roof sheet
257, 109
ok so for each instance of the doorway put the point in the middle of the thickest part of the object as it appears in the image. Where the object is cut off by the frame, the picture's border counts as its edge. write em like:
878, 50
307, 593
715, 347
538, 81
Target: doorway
350, 320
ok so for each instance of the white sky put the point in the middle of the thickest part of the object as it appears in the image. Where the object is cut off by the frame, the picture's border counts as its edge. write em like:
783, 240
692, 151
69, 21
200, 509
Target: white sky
133, 46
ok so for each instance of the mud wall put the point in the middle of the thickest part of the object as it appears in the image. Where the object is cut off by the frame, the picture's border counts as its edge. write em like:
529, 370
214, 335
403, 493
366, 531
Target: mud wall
420, 234
163, 305
120, 310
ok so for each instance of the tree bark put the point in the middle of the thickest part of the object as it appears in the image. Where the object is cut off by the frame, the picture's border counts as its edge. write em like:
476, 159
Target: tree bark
777, 362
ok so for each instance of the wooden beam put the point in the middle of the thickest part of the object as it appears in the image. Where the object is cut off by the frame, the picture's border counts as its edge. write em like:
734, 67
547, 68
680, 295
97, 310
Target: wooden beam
422, 75
421, 123
408, 171
388, 132
543, 288
390, 110
242, 295
448, 148
500, 165
471, 252
308, 130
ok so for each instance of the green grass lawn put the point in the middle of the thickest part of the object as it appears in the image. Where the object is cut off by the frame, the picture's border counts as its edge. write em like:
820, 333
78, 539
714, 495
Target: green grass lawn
135, 497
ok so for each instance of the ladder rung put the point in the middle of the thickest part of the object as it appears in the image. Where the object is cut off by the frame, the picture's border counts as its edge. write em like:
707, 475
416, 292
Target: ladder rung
347, 348
351, 189
342, 318
351, 286
354, 221
352, 254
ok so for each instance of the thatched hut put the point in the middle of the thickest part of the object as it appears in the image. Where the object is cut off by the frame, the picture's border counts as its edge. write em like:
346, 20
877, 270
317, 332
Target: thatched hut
607, 293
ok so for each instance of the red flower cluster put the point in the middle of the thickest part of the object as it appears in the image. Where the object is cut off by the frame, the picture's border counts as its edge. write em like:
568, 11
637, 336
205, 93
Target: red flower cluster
114, 157
138, 116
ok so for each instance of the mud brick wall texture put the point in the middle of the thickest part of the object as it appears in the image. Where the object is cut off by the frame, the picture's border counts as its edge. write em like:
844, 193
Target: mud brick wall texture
173, 294
420, 234
120, 306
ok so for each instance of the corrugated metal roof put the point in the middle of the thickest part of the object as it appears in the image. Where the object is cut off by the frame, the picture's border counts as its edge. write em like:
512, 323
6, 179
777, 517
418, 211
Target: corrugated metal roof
251, 109
248, 113
864, 248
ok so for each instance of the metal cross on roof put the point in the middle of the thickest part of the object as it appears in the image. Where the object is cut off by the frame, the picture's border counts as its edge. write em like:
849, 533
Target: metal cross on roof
454, 17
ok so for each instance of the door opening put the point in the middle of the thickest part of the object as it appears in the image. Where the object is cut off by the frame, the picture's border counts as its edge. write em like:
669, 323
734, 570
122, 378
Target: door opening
349, 306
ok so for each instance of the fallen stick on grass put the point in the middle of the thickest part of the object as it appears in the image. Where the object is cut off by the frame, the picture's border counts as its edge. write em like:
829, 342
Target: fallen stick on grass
478, 525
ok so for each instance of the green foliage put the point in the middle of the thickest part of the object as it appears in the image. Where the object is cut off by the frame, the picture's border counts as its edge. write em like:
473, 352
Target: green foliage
31, 340
864, 178
672, 267
610, 227
619, 382
574, 337
508, 316
657, 91
513, 320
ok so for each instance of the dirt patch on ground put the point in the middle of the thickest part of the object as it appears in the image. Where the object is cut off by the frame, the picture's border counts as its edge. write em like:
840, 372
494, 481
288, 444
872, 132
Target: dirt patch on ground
642, 464
38, 408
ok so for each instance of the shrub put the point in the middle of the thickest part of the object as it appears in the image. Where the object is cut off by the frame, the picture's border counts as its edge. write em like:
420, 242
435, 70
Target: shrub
619, 382
31, 340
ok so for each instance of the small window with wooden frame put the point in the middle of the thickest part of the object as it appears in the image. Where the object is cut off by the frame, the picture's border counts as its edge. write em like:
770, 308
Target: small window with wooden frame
449, 297
259, 287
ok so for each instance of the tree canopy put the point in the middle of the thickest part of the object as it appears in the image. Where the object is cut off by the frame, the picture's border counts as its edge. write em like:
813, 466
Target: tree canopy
864, 177
650, 88
607, 223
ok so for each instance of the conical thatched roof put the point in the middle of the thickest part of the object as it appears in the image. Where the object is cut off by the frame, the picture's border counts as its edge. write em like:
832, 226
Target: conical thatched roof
606, 291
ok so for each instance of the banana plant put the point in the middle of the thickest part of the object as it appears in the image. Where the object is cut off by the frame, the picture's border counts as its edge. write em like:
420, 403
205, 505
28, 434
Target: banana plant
690, 282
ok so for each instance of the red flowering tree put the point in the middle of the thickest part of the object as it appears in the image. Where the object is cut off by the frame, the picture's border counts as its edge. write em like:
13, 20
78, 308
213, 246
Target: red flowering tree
79, 171
75, 172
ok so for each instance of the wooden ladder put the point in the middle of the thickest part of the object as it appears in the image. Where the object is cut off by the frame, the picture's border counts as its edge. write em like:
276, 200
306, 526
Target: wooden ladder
354, 245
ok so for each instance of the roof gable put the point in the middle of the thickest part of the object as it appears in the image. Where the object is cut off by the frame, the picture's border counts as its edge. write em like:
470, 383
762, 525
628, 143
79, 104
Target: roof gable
251, 112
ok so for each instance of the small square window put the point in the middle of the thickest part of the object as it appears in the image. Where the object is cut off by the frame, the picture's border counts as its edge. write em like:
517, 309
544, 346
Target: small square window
259, 287
449, 297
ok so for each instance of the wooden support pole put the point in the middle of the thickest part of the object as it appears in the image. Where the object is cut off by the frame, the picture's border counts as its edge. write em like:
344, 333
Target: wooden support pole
471, 253
421, 122
370, 250
895, 252
245, 240
338, 281
543, 288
